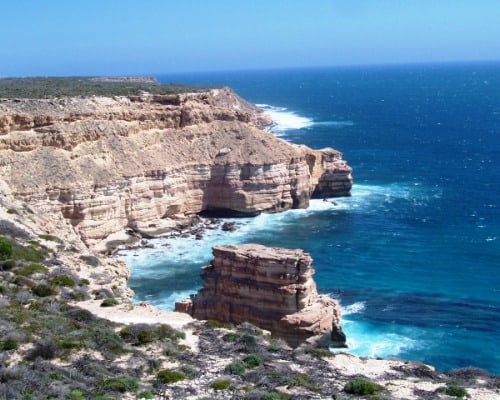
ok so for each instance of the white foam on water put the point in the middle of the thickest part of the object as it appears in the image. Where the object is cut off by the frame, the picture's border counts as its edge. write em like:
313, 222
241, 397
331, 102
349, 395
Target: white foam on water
355, 308
284, 119
364, 340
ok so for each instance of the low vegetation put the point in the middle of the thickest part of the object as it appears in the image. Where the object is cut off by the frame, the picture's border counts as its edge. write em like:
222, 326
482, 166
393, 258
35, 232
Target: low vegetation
42, 88
52, 349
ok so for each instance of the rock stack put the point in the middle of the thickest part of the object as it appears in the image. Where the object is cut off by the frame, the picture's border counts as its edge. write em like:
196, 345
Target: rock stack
270, 287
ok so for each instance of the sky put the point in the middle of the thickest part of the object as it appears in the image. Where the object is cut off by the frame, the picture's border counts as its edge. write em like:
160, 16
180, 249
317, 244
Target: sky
144, 37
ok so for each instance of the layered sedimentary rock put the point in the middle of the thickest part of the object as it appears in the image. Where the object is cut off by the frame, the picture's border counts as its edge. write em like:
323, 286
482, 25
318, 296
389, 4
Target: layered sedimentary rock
271, 288
103, 165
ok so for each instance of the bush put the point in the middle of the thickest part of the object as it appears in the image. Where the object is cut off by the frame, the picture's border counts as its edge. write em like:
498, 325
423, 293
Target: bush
231, 337
43, 290
252, 360
45, 349
170, 376
8, 344
8, 265
5, 249
236, 367
31, 269
121, 384
63, 280
362, 387
110, 302
271, 396
220, 384
90, 260
452, 389
138, 334
51, 238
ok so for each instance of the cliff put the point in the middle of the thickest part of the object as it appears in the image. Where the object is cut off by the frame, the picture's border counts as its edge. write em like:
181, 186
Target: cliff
102, 165
271, 288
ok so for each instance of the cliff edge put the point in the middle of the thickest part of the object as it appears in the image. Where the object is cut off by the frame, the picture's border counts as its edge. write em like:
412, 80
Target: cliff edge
103, 165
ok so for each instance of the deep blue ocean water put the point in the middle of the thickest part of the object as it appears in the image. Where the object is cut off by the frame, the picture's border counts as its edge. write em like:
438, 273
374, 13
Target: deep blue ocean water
414, 255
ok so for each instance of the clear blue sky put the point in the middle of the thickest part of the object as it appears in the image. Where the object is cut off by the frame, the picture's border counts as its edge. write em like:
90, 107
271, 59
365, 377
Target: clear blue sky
126, 37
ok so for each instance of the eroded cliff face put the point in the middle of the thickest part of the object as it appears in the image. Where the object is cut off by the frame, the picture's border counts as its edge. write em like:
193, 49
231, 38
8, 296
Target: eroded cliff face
102, 165
271, 288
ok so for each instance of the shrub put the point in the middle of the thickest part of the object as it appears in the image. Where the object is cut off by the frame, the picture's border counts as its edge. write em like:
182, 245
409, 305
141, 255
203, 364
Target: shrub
452, 389
76, 395
362, 387
90, 260
63, 280
31, 269
121, 384
322, 353
43, 290
252, 360
147, 395
231, 337
51, 238
8, 344
138, 334
5, 249
45, 349
271, 396
109, 302
236, 367
8, 265
220, 384
170, 376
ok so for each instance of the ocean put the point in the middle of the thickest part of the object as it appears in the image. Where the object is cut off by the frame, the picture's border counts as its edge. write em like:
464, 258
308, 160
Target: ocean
413, 255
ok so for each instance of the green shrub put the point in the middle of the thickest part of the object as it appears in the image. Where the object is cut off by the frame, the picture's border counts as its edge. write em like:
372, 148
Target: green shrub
33, 253
170, 376
147, 395
231, 337
236, 367
51, 238
90, 260
43, 290
452, 389
84, 282
121, 384
63, 280
252, 360
31, 269
109, 302
220, 384
8, 344
322, 353
7, 265
138, 334
45, 348
270, 396
216, 324
76, 395
68, 344
12, 211
188, 370
362, 387
5, 249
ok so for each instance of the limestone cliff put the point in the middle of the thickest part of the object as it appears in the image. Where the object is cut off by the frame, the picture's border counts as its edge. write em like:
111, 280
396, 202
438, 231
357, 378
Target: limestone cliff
271, 288
101, 165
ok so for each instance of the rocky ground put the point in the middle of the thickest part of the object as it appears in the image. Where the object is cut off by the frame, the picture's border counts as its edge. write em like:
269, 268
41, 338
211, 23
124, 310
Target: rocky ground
69, 331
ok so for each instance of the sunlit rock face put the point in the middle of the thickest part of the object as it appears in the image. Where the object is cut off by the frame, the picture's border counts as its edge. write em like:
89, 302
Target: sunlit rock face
102, 165
271, 288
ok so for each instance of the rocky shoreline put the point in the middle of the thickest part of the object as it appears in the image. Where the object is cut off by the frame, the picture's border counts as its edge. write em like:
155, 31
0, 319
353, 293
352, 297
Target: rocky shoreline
81, 177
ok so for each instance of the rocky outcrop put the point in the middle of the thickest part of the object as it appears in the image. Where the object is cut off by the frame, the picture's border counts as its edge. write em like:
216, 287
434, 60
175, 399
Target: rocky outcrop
103, 165
271, 288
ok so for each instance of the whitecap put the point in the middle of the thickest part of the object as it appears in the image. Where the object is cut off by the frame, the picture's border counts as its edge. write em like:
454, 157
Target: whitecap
284, 119
364, 340
355, 308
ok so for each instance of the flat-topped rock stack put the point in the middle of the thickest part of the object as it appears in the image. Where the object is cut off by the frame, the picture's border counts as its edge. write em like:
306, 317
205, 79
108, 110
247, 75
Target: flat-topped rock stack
270, 287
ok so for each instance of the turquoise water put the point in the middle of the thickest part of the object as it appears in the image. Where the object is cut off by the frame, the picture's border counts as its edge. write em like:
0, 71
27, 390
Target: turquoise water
413, 255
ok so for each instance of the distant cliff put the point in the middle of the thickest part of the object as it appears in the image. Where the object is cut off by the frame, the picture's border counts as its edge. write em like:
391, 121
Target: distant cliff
101, 165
